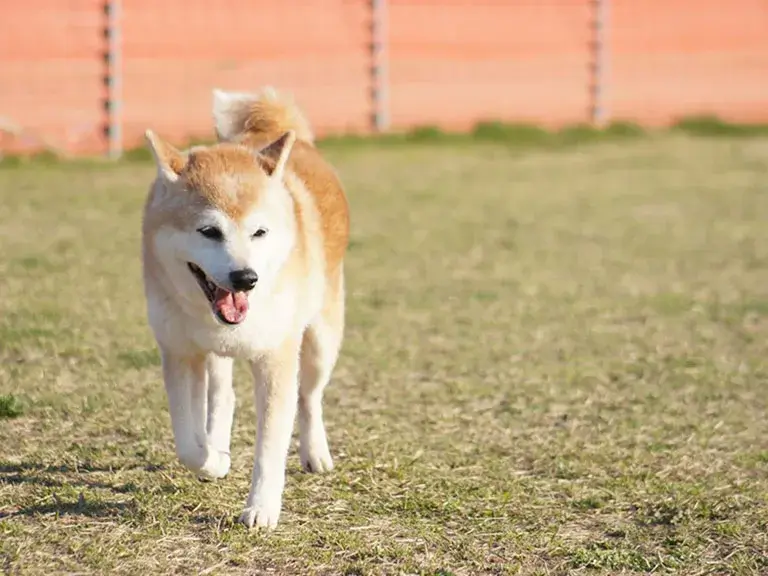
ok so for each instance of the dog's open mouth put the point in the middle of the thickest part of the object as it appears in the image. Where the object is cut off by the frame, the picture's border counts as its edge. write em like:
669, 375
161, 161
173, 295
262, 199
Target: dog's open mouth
229, 307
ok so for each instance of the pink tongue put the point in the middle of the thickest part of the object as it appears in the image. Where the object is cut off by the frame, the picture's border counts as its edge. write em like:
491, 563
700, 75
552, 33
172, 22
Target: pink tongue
232, 306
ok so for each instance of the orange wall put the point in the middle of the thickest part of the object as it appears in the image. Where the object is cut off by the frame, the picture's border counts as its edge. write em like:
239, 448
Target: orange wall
175, 51
51, 70
671, 58
451, 62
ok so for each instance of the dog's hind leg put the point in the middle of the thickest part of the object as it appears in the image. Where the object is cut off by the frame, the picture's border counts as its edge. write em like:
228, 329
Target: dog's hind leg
221, 404
319, 351
186, 387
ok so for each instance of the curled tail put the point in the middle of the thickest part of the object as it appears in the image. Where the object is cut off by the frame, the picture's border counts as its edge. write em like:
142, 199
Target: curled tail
256, 118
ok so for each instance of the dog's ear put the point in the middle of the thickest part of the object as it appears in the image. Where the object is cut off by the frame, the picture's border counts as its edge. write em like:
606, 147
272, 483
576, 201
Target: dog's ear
279, 150
168, 159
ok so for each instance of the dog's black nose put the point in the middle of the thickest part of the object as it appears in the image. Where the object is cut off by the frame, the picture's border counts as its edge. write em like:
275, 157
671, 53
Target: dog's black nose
243, 280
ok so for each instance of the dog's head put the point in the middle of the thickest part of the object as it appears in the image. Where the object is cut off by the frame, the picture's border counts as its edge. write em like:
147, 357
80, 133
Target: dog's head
221, 221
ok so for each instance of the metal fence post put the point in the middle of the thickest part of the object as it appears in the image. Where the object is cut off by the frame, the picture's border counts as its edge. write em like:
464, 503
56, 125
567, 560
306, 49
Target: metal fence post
379, 68
113, 78
598, 108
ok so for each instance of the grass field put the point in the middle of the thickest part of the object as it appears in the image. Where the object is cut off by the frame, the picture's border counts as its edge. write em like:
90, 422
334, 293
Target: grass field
556, 362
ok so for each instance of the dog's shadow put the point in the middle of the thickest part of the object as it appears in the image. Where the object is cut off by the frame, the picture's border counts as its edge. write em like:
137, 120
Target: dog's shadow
82, 477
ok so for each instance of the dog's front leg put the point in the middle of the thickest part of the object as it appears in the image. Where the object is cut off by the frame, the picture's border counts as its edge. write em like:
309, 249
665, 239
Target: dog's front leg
186, 388
221, 404
276, 383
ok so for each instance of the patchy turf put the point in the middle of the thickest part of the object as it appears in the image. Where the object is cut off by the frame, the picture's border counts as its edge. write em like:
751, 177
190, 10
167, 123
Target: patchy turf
555, 362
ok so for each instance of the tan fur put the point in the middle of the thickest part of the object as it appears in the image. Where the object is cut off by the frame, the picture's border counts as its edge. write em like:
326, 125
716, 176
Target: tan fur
263, 123
266, 166
227, 177
266, 123
166, 155
268, 117
331, 203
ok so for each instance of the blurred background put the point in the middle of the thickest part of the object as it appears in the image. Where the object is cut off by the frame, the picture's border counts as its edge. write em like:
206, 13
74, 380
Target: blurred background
89, 76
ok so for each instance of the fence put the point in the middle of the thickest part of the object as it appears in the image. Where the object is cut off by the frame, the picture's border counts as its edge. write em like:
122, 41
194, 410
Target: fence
89, 76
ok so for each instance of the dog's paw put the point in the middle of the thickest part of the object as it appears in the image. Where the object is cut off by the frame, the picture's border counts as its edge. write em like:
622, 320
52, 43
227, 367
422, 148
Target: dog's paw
262, 515
216, 465
206, 461
316, 459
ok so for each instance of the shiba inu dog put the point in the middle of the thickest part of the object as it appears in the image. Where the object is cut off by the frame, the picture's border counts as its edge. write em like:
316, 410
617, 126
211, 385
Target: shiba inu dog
243, 256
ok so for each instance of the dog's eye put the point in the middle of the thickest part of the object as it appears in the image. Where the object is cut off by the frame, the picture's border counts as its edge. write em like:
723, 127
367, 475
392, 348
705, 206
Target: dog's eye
211, 232
259, 233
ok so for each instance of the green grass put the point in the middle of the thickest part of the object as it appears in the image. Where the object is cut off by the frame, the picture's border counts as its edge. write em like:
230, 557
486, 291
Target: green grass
712, 126
519, 136
555, 363
10, 406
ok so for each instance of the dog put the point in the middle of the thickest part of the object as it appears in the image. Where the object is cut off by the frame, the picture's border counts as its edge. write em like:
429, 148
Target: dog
243, 247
